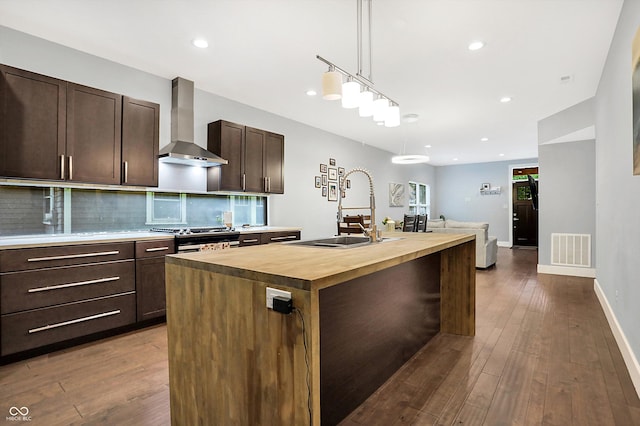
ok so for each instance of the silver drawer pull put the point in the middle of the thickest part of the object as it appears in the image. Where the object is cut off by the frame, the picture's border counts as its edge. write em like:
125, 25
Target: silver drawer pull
288, 237
157, 249
57, 287
253, 240
74, 321
73, 256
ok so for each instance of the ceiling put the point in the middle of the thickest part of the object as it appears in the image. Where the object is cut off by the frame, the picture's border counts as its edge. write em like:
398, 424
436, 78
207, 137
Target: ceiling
263, 53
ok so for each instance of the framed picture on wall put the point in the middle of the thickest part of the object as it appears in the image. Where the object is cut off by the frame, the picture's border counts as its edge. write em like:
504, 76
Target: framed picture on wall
333, 191
318, 180
332, 161
333, 174
324, 180
324, 191
323, 168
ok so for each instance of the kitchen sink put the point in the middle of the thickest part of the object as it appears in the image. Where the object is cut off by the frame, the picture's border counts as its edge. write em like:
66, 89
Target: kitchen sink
342, 241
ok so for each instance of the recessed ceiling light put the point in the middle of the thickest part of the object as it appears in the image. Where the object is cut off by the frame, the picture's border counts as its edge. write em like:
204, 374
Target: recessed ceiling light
455, 159
505, 99
311, 92
566, 79
427, 146
484, 139
201, 43
410, 118
476, 45
501, 155
380, 123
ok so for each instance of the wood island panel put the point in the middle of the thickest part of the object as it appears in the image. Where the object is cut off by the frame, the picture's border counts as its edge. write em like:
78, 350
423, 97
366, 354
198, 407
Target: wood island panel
233, 361
231, 357
370, 326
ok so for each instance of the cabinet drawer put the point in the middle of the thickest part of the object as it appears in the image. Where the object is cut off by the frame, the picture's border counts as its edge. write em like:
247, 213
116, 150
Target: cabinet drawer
47, 257
279, 237
31, 329
155, 248
20, 291
252, 239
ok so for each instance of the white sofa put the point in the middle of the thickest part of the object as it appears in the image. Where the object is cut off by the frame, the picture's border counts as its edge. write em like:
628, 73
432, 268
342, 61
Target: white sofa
486, 246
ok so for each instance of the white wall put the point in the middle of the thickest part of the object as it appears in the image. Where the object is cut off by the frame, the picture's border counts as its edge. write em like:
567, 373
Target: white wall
617, 190
305, 147
459, 198
566, 194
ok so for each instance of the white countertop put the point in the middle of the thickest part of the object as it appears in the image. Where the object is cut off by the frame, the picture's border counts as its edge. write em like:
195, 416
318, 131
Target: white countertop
256, 229
27, 241
45, 240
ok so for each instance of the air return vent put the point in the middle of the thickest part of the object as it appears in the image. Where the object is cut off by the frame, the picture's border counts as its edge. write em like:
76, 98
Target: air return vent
571, 250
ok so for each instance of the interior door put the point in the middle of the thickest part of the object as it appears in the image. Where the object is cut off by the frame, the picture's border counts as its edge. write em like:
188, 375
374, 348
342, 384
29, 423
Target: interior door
525, 218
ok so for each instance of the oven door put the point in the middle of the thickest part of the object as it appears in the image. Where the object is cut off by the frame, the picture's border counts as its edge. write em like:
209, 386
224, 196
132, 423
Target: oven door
190, 248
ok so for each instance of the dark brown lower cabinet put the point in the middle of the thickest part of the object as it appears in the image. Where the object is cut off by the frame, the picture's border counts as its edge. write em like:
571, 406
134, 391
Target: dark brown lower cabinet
256, 238
53, 297
40, 327
150, 288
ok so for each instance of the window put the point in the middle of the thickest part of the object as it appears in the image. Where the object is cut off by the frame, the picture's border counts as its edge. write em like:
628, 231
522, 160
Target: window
47, 205
248, 209
419, 198
164, 208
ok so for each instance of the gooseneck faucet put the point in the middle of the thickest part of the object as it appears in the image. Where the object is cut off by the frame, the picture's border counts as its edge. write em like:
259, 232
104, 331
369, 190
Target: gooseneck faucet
372, 232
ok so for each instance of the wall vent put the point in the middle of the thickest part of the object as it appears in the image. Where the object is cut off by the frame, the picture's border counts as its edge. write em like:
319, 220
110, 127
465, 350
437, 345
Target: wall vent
571, 250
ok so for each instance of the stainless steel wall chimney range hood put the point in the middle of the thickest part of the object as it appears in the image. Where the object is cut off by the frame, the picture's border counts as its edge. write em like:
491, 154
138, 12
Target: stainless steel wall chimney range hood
182, 149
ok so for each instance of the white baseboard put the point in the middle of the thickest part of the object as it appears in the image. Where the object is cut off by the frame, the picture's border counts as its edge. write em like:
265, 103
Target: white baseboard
629, 357
504, 244
567, 270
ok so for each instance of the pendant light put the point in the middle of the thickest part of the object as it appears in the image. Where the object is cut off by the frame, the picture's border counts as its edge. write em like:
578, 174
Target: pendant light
331, 84
350, 93
384, 110
366, 103
403, 157
392, 118
380, 107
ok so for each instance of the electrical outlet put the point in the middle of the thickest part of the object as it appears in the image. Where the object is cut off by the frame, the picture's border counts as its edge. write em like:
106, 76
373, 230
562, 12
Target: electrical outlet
272, 292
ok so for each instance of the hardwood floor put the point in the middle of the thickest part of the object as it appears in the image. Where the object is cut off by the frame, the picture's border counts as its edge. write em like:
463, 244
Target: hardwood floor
543, 355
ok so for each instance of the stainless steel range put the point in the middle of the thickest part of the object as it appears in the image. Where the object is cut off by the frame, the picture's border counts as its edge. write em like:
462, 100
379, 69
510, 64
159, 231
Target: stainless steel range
192, 239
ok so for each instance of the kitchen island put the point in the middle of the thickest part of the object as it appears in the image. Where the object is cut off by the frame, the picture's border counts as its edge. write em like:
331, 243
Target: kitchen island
361, 313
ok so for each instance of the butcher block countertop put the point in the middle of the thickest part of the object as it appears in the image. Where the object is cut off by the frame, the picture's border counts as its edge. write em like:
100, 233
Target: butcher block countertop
304, 267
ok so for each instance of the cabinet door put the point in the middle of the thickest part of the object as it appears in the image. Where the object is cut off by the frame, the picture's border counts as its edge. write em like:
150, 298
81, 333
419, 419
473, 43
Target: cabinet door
94, 126
227, 140
280, 236
252, 239
32, 124
150, 288
140, 127
254, 160
274, 163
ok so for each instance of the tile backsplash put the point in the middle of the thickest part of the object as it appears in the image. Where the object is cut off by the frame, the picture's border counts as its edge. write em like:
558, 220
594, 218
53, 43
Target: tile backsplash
35, 210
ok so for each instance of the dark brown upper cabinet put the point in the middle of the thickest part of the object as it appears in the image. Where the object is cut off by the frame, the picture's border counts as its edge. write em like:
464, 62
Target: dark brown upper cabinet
32, 124
140, 141
274, 162
256, 159
94, 129
57, 130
